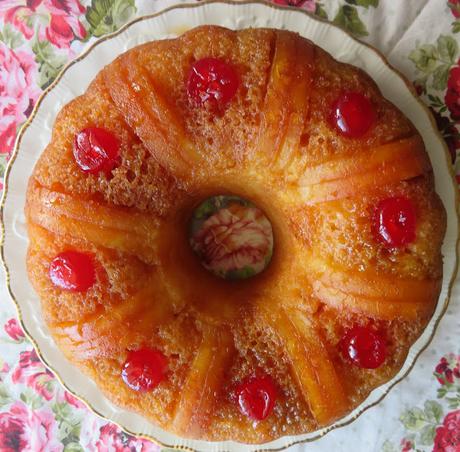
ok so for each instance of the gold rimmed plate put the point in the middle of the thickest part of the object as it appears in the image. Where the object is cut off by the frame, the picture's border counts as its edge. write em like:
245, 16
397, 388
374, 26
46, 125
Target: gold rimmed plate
74, 80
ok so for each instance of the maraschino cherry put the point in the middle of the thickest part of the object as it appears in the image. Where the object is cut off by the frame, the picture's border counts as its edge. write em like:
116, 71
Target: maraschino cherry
394, 222
96, 150
353, 114
364, 347
256, 397
144, 369
73, 271
212, 81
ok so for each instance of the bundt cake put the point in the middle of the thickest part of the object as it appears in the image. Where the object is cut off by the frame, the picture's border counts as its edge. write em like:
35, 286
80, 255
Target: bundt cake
235, 235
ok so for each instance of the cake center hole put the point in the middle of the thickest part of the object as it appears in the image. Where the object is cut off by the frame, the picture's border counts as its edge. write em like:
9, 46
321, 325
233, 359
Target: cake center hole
232, 237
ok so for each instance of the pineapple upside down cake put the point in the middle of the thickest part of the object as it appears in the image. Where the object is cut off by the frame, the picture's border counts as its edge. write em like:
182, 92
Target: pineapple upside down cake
235, 235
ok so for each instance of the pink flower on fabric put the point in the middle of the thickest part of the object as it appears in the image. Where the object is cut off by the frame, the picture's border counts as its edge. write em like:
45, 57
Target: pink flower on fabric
71, 400
31, 372
454, 6
447, 437
64, 25
452, 97
89, 433
419, 89
112, 438
4, 367
19, 14
142, 445
7, 137
406, 445
307, 5
56, 21
449, 132
14, 330
448, 369
28, 431
18, 92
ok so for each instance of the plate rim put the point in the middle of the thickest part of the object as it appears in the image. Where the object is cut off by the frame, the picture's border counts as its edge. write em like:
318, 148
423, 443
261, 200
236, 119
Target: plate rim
199, 4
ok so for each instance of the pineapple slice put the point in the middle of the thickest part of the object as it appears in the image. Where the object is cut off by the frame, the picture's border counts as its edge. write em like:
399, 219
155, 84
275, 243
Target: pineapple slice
378, 308
133, 233
158, 126
376, 295
282, 119
310, 364
301, 78
100, 332
125, 219
204, 381
384, 165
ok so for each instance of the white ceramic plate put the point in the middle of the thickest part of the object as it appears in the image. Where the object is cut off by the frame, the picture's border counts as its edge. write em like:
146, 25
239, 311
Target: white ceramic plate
74, 82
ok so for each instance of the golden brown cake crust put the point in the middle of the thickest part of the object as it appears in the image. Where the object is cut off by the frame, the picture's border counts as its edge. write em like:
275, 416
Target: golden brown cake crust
273, 146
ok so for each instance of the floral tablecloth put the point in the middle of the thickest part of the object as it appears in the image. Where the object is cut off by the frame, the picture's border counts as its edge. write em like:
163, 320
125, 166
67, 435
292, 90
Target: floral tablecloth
419, 37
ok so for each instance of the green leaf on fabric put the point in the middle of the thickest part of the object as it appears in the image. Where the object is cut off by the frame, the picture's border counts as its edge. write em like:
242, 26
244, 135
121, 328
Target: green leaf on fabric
4, 395
107, 16
442, 391
2, 165
72, 429
62, 411
440, 76
365, 3
435, 101
454, 402
76, 429
31, 398
10, 36
413, 419
50, 64
433, 411
63, 433
73, 447
427, 435
389, 447
447, 49
69, 423
347, 17
456, 26
425, 58
45, 54
320, 11
69, 433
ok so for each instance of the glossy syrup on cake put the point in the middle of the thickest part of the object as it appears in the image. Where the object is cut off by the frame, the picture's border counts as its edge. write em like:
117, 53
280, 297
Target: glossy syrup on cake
234, 234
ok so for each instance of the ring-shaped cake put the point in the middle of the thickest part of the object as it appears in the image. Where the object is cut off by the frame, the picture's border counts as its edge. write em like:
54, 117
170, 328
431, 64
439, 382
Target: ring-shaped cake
306, 143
